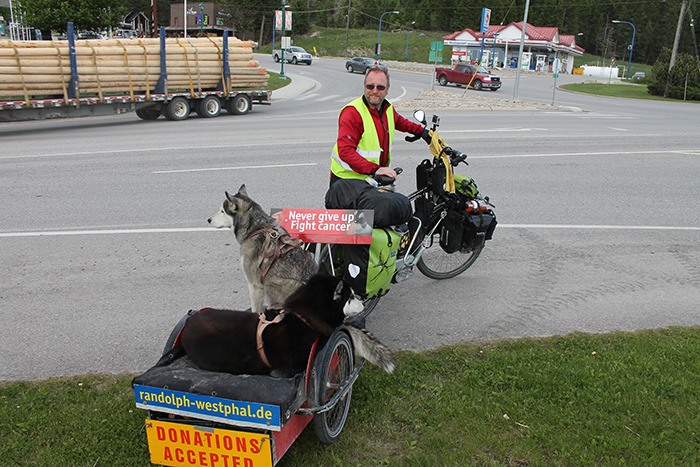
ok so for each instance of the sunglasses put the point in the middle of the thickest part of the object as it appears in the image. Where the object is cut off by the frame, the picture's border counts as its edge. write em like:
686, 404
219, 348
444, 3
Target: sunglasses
380, 87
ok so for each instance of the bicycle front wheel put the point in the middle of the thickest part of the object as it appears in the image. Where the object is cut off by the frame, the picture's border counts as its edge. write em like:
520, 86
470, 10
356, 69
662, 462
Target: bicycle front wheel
438, 264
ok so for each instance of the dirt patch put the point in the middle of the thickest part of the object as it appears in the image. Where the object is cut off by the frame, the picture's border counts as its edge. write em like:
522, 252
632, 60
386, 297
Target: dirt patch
470, 99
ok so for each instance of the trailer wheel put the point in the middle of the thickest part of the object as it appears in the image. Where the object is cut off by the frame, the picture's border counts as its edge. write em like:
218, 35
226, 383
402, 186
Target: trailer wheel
209, 107
239, 104
177, 109
332, 371
148, 113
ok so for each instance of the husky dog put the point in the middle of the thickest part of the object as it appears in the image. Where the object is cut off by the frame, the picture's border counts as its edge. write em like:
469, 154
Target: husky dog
274, 264
240, 342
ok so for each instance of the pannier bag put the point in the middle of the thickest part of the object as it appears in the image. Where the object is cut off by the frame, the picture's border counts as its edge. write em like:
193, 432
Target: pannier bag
462, 231
466, 186
432, 176
451, 231
370, 268
389, 208
477, 229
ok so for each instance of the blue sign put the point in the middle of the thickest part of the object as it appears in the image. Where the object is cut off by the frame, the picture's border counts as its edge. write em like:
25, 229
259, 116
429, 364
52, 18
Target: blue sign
485, 20
216, 409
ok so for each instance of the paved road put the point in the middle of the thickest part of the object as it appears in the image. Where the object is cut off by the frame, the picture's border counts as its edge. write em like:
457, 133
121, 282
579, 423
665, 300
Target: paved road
104, 244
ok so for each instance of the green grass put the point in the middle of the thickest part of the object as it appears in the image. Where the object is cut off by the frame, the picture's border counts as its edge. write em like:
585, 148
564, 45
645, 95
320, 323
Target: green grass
612, 399
594, 60
631, 91
275, 82
330, 42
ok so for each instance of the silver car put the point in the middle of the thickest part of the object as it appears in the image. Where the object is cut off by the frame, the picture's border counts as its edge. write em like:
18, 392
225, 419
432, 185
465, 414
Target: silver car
362, 64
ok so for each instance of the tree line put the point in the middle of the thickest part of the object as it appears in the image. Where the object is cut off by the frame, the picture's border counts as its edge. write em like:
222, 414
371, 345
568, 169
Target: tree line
591, 20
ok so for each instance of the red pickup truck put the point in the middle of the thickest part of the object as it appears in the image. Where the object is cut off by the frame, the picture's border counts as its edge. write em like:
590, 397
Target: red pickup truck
469, 75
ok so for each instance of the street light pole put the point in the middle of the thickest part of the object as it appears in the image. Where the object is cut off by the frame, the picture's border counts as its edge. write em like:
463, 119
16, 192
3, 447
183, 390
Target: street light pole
634, 33
379, 33
284, 20
493, 51
407, 33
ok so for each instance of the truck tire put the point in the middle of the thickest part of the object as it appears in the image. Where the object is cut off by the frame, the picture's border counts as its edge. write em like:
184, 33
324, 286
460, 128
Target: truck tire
477, 85
148, 113
209, 107
442, 79
239, 104
177, 109
294, 60
276, 58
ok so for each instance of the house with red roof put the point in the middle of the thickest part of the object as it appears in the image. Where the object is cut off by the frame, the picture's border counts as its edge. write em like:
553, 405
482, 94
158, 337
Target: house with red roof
544, 48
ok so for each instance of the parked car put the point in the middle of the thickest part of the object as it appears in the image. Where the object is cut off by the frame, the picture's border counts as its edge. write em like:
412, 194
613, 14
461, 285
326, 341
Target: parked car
638, 75
477, 77
293, 55
362, 64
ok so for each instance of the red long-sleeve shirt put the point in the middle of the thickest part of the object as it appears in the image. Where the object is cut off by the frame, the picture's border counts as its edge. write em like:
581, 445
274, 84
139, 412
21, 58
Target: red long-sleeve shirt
350, 129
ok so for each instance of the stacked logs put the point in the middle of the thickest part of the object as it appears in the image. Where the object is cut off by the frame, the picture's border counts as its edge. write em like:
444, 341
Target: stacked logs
113, 66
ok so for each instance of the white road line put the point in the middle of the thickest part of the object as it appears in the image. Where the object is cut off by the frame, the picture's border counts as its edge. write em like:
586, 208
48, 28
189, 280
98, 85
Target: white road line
325, 98
603, 153
62, 233
596, 227
400, 96
242, 167
306, 96
519, 131
57, 233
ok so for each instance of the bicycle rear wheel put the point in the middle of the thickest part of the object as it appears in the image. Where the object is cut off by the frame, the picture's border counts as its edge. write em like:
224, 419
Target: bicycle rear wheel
438, 264
332, 372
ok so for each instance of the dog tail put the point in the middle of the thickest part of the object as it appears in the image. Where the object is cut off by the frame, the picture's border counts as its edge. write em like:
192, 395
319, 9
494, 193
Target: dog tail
370, 348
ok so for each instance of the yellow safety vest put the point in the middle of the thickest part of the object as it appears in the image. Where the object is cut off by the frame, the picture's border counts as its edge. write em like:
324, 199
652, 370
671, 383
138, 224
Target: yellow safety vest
368, 146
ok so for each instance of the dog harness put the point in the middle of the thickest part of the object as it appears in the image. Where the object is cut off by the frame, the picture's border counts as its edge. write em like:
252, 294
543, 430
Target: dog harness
277, 243
263, 323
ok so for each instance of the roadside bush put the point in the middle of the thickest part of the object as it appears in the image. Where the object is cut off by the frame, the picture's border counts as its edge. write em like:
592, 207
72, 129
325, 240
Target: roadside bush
686, 68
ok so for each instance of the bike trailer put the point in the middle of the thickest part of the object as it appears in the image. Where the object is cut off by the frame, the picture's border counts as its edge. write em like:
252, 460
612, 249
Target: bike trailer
200, 417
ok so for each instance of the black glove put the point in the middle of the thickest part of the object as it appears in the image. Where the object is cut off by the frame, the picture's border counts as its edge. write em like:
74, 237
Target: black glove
426, 136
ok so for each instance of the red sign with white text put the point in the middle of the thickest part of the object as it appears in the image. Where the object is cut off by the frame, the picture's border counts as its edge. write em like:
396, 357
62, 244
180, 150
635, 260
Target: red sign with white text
348, 226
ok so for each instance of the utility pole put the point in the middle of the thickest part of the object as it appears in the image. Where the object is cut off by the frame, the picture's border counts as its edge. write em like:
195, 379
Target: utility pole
262, 31
692, 31
347, 23
677, 39
520, 52
676, 42
154, 19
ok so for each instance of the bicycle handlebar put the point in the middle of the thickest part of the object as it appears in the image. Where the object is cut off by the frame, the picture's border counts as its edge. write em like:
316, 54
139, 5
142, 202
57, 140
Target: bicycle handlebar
456, 157
412, 138
384, 180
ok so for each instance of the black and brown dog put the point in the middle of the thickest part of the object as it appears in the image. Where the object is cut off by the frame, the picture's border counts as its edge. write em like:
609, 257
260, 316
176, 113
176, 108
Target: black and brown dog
241, 342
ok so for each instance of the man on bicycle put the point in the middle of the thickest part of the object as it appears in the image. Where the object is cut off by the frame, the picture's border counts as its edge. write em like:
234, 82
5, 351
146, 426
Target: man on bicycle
366, 132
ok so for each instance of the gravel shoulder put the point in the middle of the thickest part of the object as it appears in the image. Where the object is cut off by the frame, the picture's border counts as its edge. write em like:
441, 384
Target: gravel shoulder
467, 99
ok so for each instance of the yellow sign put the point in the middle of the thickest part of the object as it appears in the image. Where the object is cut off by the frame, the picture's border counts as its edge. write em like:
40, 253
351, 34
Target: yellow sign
179, 444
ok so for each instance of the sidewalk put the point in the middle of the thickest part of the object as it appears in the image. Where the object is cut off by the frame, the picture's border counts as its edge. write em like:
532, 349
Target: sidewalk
299, 85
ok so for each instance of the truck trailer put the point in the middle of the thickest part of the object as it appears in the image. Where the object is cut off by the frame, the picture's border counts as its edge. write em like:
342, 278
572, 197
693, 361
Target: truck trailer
153, 77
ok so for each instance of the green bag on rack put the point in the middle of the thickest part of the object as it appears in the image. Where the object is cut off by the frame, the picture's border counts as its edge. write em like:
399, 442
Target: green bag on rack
370, 268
